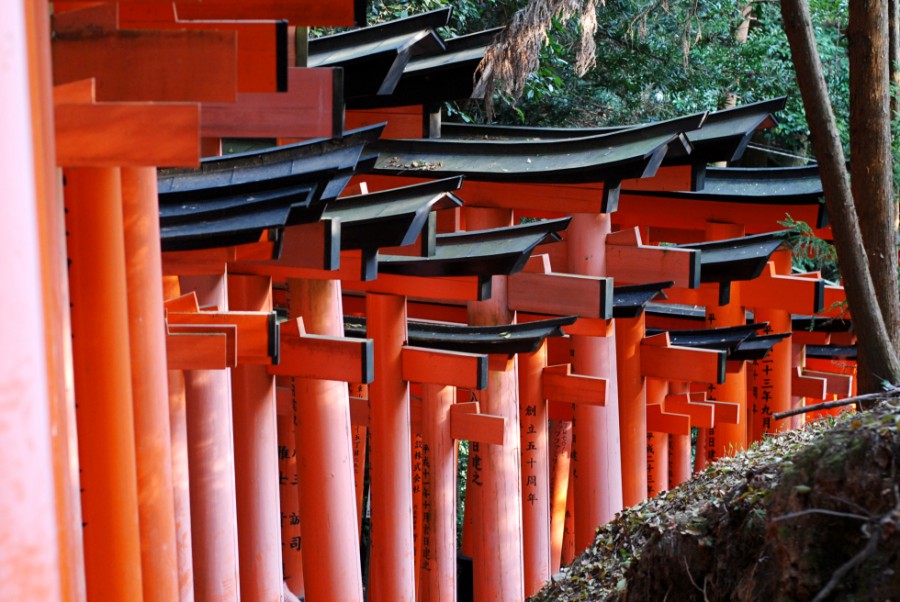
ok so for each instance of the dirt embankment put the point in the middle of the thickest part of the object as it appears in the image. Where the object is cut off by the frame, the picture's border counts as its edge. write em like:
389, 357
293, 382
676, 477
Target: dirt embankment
810, 514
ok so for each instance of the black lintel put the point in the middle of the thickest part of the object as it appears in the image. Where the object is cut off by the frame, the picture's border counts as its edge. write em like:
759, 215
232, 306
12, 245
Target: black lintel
820, 324
187, 211
505, 339
735, 259
391, 218
629, 301
222, 231
724, 339
632, 153
757, 347
725, 134
498, 251
374, 58
831, 351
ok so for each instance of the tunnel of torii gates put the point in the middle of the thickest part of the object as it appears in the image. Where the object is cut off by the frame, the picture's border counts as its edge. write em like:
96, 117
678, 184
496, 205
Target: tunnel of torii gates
230, 373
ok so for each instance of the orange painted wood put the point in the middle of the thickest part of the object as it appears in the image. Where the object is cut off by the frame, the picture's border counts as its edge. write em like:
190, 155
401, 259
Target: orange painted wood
662, 360
439, 367
653, 211
559, 294
201, 347
212, 261
657, 442
147, 65
634, 414
667, 177
840, 385
805, 337
680, 445
589, 327
289, 491
309, 109
102, 373
104, 134
702, 414
808, 385
180, 472
359, 411
256, 455
769, 379
667, 422
402, 122
153, 440
461, 288
392, 569
560, 448
469, 425
359, 464
417, 462
257, 47
835, 302
311, 13
786, 293
331, 565
534, 437
57, 330
568, 548
182, 303
38, 507
324, 357
437, 557
181, 483
559, 384
253, 330
596, 456
210, 437
630, 261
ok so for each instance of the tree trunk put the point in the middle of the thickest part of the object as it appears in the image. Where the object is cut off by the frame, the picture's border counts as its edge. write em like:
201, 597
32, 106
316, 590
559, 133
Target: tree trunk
874, 337
871, 173
894, 52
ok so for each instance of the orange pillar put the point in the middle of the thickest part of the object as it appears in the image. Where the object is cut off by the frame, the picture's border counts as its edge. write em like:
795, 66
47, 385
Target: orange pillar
568, 547
438, 545
153, 443
33, 521
210, 438
632, 409
292, 559
657, 443
331, 565
535, 470
180, 472
416, 461
103, 383
52, 248
498, 555
560, 448
771, 385
726, 439
798, 360
679, 446
596, 456
256, 457
392, 569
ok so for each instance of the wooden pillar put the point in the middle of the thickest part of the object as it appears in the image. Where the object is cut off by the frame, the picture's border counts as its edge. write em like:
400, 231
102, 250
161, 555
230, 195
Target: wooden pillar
331, 564
560, 448
210, 437
438, 545
798, 360
498, 555
34, 521
726, 439
596, 456
535, 470
657, 443
392, 570
47, 183
679, 446
103, 382
180, 471
256, 457
632, 409
153, 439
289, 480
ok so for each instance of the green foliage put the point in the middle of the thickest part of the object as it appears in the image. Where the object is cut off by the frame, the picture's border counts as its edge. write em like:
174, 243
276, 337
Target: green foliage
811, 253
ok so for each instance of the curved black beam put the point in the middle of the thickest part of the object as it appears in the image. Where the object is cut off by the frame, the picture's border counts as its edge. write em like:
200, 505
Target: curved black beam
374, 58
629, 301
631, 153
725, 134
757, 347
498, 251
436, 78
392, 218
221, 231
193, 210
505, 339
736, 258
725, 339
